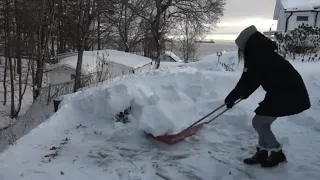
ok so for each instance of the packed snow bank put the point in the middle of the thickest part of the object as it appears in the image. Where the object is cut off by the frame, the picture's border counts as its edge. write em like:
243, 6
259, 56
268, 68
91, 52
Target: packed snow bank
163, 110
106, 103
163, 102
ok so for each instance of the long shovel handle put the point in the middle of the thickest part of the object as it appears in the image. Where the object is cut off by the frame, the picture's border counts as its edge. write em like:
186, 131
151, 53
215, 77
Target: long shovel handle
222, 113
207, 116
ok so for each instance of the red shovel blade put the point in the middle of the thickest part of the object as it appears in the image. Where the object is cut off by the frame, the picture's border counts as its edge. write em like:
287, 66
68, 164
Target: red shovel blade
172, 139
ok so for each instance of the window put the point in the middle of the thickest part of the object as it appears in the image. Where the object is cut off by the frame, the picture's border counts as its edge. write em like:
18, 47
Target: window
73, 76
302, 18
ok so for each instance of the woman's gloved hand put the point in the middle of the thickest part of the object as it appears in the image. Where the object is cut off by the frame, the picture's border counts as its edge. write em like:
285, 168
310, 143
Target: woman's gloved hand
231, 99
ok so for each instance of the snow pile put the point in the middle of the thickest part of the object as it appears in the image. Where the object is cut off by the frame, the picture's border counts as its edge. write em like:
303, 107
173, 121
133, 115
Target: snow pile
163, 111
106, 103
162, 103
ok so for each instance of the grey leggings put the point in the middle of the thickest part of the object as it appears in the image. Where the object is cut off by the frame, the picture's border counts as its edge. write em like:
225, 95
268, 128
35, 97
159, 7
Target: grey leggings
262, 124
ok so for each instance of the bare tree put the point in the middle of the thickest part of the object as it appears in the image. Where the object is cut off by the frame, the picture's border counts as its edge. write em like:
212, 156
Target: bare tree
13, 53
19, 42
43, 37
6, 47
87, 13
188, 33
163, 15
125, 24
99, 26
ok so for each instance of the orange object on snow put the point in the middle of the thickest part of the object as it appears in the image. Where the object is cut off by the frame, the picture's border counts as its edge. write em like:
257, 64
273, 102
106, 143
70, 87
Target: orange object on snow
191, 130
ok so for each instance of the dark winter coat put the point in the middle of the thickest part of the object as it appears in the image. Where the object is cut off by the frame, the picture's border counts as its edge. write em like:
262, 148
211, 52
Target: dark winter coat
286, 93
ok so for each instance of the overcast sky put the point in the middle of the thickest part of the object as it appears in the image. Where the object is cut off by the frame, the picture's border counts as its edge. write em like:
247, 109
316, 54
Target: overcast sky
239, 14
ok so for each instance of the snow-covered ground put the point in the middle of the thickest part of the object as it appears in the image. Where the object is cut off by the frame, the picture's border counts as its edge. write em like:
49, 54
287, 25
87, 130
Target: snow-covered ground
35, 115
82, 141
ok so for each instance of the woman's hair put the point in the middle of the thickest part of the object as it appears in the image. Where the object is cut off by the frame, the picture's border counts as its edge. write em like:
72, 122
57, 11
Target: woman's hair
259, 44
240, 55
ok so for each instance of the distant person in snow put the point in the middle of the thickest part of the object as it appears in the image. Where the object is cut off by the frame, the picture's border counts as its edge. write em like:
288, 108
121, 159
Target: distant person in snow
286, 93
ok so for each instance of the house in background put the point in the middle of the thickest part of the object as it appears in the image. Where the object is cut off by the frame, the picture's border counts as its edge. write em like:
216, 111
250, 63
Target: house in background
292, 13
109, 63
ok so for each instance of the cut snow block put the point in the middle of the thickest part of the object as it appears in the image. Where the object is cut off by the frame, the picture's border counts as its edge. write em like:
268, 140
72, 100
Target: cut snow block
143, 96
106, 103
170, 113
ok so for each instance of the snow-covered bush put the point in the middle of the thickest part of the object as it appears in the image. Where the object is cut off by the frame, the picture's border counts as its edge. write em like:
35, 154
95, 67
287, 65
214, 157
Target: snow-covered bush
228, 65
303, 41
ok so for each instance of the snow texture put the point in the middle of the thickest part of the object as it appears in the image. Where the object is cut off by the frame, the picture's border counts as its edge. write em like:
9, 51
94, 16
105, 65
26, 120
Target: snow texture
300, 5
81, 141
35, 115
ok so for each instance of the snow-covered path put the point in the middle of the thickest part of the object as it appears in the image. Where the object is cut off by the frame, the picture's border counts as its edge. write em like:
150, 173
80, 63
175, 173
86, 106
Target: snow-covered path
81, 142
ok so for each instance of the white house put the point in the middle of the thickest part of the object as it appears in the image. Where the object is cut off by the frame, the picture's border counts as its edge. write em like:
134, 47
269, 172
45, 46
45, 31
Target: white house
110, 63
292, 13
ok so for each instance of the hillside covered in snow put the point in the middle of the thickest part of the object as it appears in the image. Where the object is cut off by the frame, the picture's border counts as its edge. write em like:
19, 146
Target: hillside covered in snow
83, 140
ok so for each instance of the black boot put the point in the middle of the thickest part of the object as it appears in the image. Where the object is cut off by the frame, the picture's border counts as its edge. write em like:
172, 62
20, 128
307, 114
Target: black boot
259, 157
275, 158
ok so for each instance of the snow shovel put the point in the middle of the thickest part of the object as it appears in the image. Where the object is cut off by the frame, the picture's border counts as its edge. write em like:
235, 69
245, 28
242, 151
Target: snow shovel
192, 129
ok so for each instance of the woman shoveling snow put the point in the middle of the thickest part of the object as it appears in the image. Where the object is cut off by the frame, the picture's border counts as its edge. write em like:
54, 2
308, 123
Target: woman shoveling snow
286, 93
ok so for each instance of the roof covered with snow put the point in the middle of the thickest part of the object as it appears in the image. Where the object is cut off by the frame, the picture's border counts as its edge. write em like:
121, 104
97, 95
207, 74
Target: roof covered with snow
90, 58
124, 58
300, 5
